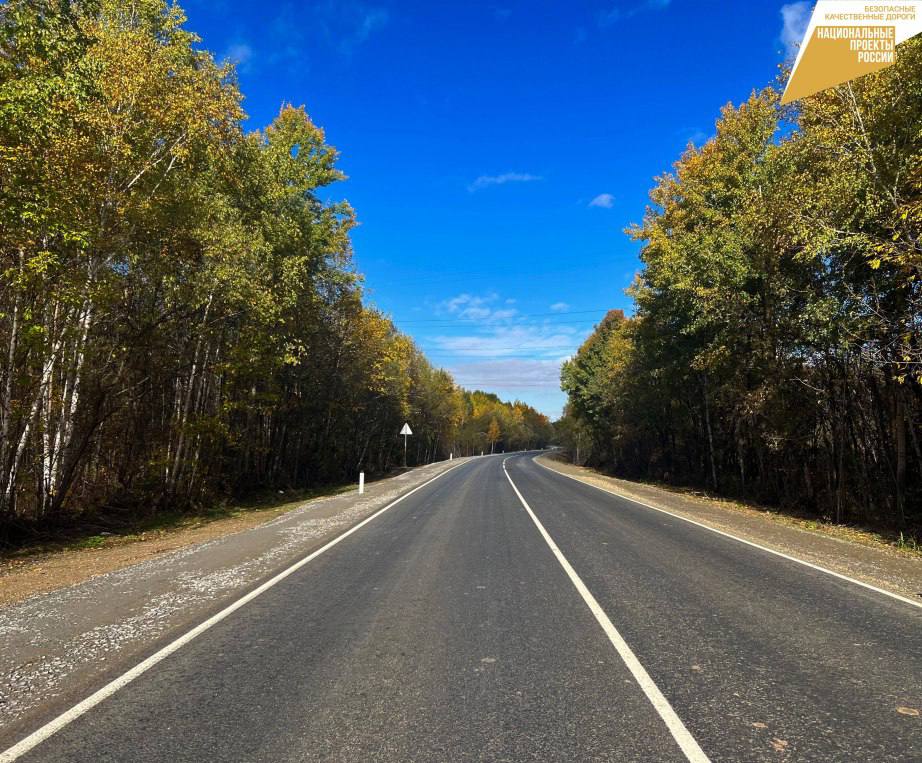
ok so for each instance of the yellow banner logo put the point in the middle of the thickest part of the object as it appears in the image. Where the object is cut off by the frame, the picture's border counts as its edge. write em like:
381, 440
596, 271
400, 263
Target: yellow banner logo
847, 39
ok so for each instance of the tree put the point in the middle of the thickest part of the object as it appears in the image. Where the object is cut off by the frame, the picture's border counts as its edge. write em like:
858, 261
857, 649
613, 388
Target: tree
493, 433
180, 318
774, 349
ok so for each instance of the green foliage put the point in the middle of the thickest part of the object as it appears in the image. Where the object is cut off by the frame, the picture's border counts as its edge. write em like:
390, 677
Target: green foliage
180, 320
776, 350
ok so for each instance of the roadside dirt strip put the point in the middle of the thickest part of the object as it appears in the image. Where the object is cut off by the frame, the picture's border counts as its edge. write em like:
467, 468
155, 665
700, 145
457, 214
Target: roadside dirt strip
58, 644
880, 567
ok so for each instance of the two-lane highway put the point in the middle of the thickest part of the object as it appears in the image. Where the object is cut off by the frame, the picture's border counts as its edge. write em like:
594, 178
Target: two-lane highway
451, 627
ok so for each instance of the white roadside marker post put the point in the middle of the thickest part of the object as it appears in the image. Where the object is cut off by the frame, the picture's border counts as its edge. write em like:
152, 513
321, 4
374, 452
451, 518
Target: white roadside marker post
361, 482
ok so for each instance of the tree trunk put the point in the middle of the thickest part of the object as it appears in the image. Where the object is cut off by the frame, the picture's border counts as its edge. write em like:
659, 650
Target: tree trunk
707, 423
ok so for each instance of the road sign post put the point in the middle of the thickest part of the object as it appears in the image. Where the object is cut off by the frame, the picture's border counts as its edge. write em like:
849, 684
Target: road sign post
406, 432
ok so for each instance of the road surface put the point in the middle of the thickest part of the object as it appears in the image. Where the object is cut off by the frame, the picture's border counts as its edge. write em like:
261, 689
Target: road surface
525, 617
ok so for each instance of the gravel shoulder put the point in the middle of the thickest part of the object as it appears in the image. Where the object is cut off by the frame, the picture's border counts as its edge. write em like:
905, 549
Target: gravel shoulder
94, 612
848, 552
26, 573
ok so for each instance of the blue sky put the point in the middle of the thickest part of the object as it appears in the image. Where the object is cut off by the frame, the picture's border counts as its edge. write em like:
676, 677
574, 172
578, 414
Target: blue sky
497, 150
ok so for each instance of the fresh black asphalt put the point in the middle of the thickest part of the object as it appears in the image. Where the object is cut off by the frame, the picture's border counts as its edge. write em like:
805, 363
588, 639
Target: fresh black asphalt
446, 630
758, 655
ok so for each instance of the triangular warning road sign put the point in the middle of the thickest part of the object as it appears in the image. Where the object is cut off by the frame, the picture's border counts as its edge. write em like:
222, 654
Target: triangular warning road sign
406, 430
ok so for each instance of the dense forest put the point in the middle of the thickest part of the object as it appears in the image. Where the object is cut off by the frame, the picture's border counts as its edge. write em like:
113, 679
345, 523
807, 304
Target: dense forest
776, 348
180, 319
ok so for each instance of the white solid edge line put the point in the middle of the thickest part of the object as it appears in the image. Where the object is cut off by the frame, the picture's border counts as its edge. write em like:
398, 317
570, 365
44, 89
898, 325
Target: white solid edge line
40, 735
790, 558
679, 732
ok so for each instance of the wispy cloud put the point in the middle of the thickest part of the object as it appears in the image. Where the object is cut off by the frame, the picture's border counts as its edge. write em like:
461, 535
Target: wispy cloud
616, 13
795, 18
485, 181
610, 16
603, 200
501, 331
239, 54
535, 342
343, 25
692, 134
348, 24
509, 374
370, 20
472, 307
495, 348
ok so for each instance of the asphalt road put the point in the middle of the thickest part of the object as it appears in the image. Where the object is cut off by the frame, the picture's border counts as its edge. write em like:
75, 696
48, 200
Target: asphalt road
459, 625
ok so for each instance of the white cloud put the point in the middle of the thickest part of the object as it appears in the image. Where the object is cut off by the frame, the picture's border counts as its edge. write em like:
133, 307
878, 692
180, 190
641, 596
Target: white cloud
536, 382
795, 18
603, 200
369, 20
509, 374
239, 54
502, 351
536, 341
502, 333
463, 302
485, 181
471, 307
475, 313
